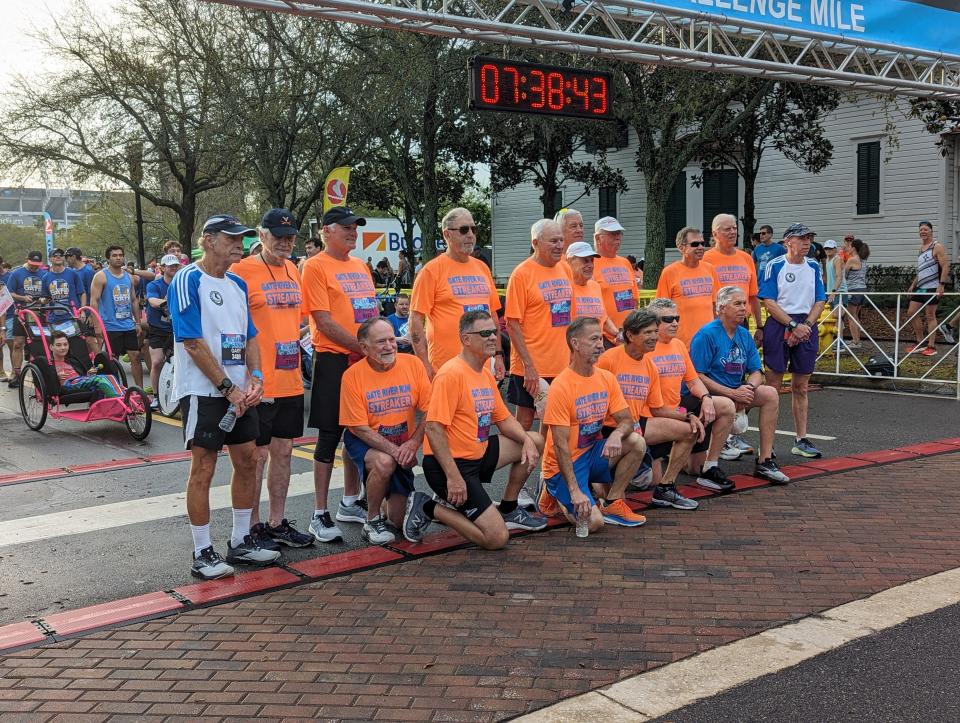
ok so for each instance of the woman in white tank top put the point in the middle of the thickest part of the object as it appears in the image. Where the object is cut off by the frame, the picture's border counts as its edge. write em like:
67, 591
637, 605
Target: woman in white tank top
932, 269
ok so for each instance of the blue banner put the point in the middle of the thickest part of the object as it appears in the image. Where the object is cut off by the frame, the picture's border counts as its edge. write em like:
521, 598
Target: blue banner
48, 233
932, 25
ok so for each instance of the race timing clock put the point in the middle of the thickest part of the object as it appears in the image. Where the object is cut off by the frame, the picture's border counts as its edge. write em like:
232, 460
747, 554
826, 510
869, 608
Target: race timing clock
497, 84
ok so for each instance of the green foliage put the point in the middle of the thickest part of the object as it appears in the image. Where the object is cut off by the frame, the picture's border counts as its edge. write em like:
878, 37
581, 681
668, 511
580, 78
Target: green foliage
16, 241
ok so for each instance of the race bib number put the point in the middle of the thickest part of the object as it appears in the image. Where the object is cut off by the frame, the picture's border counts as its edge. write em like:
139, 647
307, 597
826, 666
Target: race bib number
624, 300
483, 426
560, 313
364, 307
589, 434
233, 349
396, 433
287, 355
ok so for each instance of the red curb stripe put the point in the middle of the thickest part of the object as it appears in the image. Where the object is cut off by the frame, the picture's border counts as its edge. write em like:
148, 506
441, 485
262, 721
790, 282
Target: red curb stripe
800, 471
928, 448
32, 476
748, 482
352, 561
17, 634
885, 455
98, 616
433, 543
112, 464
236, 585
841, 464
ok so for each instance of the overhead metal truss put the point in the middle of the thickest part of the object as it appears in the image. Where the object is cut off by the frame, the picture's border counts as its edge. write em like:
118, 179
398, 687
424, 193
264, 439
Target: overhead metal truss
644, 32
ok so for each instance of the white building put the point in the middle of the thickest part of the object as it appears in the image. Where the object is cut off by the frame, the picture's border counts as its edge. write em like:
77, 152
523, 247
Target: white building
21, 206
902, 177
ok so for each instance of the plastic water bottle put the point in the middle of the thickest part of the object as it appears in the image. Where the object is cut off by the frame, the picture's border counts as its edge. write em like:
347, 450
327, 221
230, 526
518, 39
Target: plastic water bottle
583, 526
229, 419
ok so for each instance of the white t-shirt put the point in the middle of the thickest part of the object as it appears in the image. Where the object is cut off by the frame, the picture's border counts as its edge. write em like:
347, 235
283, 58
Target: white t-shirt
215, 310
795, 287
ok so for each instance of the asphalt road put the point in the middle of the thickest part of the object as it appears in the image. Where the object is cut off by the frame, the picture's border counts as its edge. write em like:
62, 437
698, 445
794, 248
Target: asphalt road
908, 673
114, 556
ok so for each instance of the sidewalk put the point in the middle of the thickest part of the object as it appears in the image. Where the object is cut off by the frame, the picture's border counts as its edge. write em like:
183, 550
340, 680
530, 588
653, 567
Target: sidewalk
478, 636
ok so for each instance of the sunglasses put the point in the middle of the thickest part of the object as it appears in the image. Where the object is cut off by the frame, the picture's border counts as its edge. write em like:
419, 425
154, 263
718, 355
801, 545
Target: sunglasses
485, 333
696, 244
669, 319
464, 230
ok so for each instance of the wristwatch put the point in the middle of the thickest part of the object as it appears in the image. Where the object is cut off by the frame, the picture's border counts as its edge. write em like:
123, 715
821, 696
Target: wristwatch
257, 374
793, 325
225, 386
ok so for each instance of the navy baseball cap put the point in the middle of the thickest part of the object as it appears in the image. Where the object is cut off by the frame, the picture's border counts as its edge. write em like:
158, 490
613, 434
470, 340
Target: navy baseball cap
798, 229
344, 216
74, 251
229, 225
35, 257
280, 222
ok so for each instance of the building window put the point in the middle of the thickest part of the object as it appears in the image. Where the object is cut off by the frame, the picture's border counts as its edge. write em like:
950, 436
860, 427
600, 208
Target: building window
721, 194
558, 199
608, 201
676, 215
868, 178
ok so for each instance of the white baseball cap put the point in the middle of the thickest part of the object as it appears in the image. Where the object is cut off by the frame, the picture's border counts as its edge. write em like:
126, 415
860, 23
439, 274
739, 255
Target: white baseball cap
607, 223
829, 244
582, 250
170, 260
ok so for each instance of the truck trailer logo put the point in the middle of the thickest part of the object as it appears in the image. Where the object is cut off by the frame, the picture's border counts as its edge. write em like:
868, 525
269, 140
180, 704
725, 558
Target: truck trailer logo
375, 240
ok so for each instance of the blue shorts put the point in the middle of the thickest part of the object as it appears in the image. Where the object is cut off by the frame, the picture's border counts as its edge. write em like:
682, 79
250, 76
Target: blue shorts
8, 326
401, 481
779, 357
589, 467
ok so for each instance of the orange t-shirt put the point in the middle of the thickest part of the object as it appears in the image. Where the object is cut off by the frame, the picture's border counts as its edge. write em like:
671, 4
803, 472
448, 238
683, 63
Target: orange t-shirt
467, 403
619, 285
580, 403
443, 291
588, 301
737, 269
275, 299
541, 299
639, 381
386, 402
345, 289
675, 366
693, 291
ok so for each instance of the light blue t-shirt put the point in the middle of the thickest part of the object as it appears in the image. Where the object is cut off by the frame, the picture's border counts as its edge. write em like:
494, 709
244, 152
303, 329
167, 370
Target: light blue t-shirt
64, 288
763, 253
721, 358
795, 287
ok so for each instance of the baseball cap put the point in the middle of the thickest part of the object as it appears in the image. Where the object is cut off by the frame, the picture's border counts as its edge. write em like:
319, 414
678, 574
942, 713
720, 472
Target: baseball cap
170, 260
280, 222
255, 247
227, 224
829, 244
74, 251
35, 256
581, 249
607, 223
798, 229
344, 216
57, 252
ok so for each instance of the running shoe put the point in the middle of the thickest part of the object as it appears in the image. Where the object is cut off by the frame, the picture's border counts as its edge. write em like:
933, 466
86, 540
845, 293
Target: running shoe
617, 512
357, 512
416, 522
730, 452
740, 443
286, 534
929, 351
945, 329
13, 382
521, 519
854, 345
154, 405
209, 565
803, 448
324, 529
715, 479
644, 474
249, 552
548, 505
260, 536
669, 496
911, 349
770, 471
4, 377
125, 358
376, 532
525, 501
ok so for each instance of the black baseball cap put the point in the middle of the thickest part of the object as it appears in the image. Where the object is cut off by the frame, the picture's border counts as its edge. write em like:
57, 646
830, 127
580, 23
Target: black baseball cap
280, 222
74, 251
57, 252
344, 216
35, 256
229, 225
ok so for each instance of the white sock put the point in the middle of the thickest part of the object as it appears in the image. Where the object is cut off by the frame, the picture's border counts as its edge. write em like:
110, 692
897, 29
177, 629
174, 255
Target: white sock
241, 526
348, 500
708, 465
201, 538
318, 513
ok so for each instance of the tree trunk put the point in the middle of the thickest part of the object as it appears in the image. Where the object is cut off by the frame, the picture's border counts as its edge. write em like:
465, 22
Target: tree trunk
186, 223
656, 228
749, 207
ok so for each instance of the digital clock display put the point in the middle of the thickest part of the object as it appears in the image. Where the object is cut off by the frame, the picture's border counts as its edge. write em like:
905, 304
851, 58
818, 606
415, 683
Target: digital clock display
497, 84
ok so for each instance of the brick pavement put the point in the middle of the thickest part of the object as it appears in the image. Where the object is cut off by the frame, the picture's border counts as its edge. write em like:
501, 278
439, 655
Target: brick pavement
486, 636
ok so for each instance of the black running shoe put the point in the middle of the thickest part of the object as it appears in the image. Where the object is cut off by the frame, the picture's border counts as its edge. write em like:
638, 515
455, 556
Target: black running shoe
286, 534
714, 479
249, 552
262, 537
770, 471
208, 565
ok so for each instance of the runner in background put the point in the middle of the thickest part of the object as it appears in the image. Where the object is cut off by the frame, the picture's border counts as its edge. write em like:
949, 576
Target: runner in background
113, 294
691, 284
615, 275
159, 327
587, 295
25, 284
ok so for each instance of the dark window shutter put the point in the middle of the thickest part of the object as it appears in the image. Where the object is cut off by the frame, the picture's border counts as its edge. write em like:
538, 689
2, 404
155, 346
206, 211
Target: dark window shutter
868, 178
608, 201
676, 210
721, 194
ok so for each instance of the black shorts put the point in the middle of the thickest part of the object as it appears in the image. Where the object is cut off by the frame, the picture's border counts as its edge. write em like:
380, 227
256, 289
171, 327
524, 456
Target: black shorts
201, 423
929, 298
475, 472
657, 451
123, 341
328, 369
691, 404
18, 329
282, 418
158, 338
516, 394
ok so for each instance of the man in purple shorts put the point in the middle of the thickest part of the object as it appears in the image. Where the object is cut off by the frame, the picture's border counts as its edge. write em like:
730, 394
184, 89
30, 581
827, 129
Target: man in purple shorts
792, 291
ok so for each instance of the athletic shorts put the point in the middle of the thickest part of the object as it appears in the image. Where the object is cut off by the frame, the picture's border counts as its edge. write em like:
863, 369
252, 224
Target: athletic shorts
475, 472
926, 296
159, 338
282, 419
123, 341
8, 327
855, 298
18, 329
779, 357
591, 467
328, 369
401, 481
689, 403
516, 394
201, 423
